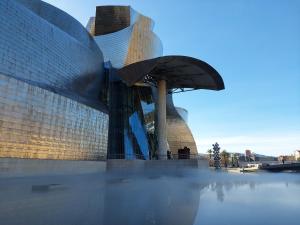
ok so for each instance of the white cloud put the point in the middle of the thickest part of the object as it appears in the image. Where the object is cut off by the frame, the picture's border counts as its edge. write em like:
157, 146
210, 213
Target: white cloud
261, 144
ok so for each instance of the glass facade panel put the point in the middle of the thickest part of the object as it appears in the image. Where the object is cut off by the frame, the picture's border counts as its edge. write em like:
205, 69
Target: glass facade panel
139, 132
127, 123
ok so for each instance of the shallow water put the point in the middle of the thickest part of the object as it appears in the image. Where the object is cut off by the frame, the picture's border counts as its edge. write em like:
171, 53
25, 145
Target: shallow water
189, 197
264, 199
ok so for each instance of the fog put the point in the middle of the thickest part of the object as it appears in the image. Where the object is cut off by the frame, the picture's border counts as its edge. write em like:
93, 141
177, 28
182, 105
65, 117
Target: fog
185, 197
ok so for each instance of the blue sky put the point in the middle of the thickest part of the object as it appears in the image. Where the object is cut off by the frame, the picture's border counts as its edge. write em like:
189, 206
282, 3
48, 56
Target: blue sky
255, 46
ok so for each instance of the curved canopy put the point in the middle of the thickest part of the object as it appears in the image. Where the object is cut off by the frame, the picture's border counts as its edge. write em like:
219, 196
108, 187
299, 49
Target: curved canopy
178, 71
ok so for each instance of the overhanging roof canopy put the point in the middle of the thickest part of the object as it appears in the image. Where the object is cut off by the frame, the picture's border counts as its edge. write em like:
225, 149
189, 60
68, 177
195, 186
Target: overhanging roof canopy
179, 72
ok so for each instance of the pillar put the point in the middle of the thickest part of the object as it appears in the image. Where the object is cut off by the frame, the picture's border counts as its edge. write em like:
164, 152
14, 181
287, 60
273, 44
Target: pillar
162, 119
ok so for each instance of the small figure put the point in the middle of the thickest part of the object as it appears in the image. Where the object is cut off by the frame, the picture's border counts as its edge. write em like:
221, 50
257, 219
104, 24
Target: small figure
169, 154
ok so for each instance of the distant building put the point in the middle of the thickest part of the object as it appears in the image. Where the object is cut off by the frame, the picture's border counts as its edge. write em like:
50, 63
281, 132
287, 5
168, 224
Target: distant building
249, 156
262, 158
286, 158
248, 153
297, 155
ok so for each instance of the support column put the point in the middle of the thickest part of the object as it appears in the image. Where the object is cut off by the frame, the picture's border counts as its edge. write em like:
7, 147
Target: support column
162, 119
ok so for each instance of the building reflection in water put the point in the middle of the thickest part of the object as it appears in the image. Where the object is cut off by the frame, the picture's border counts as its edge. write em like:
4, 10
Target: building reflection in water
151, 199
220, 187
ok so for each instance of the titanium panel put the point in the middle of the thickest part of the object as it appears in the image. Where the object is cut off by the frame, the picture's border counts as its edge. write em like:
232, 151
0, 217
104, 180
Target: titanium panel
39, 124
134, 43
110, 19
183, 113
115, 46
91, 26
179, 134
40, 52
61, 20
51, 72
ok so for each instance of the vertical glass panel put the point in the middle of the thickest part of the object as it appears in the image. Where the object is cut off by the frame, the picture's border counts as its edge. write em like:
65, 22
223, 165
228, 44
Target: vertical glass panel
140, 134
129, 153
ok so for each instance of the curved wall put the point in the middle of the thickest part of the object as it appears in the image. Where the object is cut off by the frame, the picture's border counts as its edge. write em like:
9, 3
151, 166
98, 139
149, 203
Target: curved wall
131, 44
51, 72
39, 124
183, 113
110, 19
128, 42
115, 46
61, 20
179, 134
49, 48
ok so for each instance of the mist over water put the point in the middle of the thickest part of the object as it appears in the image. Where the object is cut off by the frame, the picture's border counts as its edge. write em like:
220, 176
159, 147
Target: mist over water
183, 197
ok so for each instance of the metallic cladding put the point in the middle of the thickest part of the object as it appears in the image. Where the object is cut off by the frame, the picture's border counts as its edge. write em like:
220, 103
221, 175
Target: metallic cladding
34, 50
134, 43
110, 19
61, 20
36, 123
91, 26
115, 46
144, 44
183, 113
179, 134
178, 71
51, 72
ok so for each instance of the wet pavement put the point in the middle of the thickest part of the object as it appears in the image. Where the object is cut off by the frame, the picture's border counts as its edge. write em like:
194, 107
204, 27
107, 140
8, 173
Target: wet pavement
191, 197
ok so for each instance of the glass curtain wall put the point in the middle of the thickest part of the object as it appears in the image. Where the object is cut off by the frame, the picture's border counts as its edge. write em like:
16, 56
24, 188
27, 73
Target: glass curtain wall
128, 134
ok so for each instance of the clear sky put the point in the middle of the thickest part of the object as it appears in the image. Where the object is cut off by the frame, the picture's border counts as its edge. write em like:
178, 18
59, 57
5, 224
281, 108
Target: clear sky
254, 45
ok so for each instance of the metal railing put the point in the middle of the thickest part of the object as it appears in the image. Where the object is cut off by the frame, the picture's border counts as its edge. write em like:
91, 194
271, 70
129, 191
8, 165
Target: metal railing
155, 156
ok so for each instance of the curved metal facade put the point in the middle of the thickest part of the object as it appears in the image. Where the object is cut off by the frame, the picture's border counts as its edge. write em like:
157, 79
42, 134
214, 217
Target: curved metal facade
36, 123
52, 78
132, 43
51, 72
40, 49
179, 134
125, 38
183, 113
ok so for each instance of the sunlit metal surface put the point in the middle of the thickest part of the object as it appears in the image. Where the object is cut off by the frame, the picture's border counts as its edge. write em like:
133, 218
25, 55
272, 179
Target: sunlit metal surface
132, 43
51, 71
40, 43
36, 123
125, 36
183, 113
179, 134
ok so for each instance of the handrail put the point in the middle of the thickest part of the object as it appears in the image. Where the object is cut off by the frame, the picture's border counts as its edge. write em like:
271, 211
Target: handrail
154, 157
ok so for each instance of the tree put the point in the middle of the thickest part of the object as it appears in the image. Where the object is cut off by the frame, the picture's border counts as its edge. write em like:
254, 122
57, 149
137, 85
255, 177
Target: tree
236, 159
225, 157
209, 151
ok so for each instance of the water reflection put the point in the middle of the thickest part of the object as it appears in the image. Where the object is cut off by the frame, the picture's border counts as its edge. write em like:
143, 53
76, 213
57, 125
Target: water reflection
190, 197
250, 199
220, 187
152, 200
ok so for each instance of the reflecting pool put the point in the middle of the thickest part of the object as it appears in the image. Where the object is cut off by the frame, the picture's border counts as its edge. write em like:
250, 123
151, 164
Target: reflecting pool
185, 198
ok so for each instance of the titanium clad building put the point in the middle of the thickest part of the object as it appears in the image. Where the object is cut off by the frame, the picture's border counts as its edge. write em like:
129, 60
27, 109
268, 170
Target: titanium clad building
50, 78
74, 93
126, 37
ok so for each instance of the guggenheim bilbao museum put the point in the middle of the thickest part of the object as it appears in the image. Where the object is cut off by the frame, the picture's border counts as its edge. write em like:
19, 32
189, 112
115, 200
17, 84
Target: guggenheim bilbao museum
103, 91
